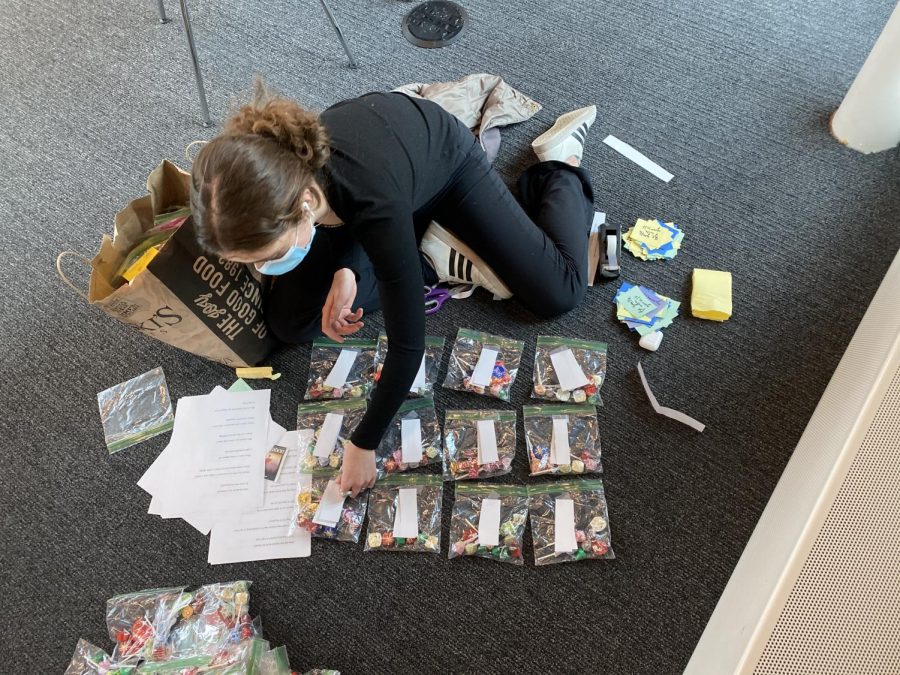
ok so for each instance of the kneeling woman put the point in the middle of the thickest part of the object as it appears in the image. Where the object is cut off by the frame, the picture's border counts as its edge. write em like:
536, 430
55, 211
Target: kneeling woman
383, 166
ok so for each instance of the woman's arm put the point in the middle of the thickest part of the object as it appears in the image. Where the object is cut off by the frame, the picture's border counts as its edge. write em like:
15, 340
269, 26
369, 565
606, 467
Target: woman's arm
390, 243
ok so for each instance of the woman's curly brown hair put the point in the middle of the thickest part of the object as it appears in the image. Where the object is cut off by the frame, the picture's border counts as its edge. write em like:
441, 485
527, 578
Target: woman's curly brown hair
247, 182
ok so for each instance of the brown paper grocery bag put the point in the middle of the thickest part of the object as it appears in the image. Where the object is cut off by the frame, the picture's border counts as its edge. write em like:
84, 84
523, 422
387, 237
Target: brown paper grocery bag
185, 298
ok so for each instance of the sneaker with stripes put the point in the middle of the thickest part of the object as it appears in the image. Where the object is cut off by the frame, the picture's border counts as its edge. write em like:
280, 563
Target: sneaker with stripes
456, 263
566, 137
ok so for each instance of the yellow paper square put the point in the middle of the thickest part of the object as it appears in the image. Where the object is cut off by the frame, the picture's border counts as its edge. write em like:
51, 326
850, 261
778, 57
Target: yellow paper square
711, 295
651, 233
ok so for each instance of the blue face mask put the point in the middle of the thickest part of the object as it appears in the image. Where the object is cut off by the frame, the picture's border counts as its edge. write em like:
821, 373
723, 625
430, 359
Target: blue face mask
295, 254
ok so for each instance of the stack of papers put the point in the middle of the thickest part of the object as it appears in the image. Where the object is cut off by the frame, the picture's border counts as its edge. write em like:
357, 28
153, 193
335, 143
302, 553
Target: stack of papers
212, 476
711, 295
653, 240
642, 310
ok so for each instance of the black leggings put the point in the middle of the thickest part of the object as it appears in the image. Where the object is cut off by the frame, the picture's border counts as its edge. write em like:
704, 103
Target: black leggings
539, 251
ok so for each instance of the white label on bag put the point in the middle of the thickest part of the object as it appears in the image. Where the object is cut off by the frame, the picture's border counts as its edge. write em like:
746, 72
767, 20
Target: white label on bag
487, 442
564, 527
481, 376
419, 382
411, 440
328, 434
330, 506
568, 372
406, 519
341, 369
559, 441
489, 523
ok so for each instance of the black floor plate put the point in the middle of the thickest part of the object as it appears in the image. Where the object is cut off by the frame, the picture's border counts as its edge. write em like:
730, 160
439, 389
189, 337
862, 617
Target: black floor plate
434, 24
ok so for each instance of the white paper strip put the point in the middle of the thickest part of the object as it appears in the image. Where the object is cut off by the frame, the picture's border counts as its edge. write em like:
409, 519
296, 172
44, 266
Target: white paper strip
338, 375
568, 371
419, 382
330, 506
564, 527
406, 519
641, 160
481, 376
487, 442
328, 434
489, 523
411, 440
559, 441
668, 412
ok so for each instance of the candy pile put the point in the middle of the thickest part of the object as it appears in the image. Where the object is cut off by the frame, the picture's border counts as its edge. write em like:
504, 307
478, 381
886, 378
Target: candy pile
653, 240
644, 311
207, 630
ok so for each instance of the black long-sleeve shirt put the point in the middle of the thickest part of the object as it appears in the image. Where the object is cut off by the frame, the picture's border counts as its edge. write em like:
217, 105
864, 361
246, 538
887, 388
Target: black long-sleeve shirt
390, 156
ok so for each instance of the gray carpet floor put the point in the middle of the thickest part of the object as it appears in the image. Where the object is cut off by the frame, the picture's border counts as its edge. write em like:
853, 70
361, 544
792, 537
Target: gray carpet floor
733, 98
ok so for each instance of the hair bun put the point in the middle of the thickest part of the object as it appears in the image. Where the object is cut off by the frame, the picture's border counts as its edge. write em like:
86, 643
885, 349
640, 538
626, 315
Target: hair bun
284, 121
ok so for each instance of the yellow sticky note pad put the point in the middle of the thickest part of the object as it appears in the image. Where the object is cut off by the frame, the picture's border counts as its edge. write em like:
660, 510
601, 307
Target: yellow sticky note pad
650, 232
711, 295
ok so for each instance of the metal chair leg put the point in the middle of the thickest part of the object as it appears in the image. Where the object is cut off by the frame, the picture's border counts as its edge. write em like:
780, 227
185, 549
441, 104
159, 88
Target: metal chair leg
195, 62
340, 34
162, 11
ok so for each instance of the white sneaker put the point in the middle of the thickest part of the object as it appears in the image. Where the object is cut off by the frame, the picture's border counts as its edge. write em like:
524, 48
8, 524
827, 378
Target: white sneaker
566, 137
456, 263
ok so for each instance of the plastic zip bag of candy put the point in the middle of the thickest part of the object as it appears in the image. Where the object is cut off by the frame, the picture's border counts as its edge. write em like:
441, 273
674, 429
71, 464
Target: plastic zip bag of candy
333, 422
405, 514
488, 521
274, 662
347, 519
569, 521
569, 370
89, 659
478, 443
414, 432
562, 439
209, 619
236, 658
484, 364
340, 369
139, 622
426, 378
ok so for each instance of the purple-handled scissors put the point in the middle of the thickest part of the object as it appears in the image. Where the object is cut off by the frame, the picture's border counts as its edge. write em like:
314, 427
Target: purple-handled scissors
435, 297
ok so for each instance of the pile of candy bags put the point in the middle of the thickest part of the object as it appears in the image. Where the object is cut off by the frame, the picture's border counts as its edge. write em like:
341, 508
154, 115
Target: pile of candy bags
184, 632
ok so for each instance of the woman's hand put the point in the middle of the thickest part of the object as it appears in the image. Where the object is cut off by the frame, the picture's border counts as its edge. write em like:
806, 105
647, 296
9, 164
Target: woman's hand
357, 469
337, 318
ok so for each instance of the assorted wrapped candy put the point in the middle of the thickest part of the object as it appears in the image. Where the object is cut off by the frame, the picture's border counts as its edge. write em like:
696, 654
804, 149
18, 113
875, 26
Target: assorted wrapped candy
333, 422
412, 440
562, 439
568, 370
426, 378
89, 659
405, 514
488, 521
174, 630
340, 369
478, 443
323, 511
484, 364
139, 623
569, 521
